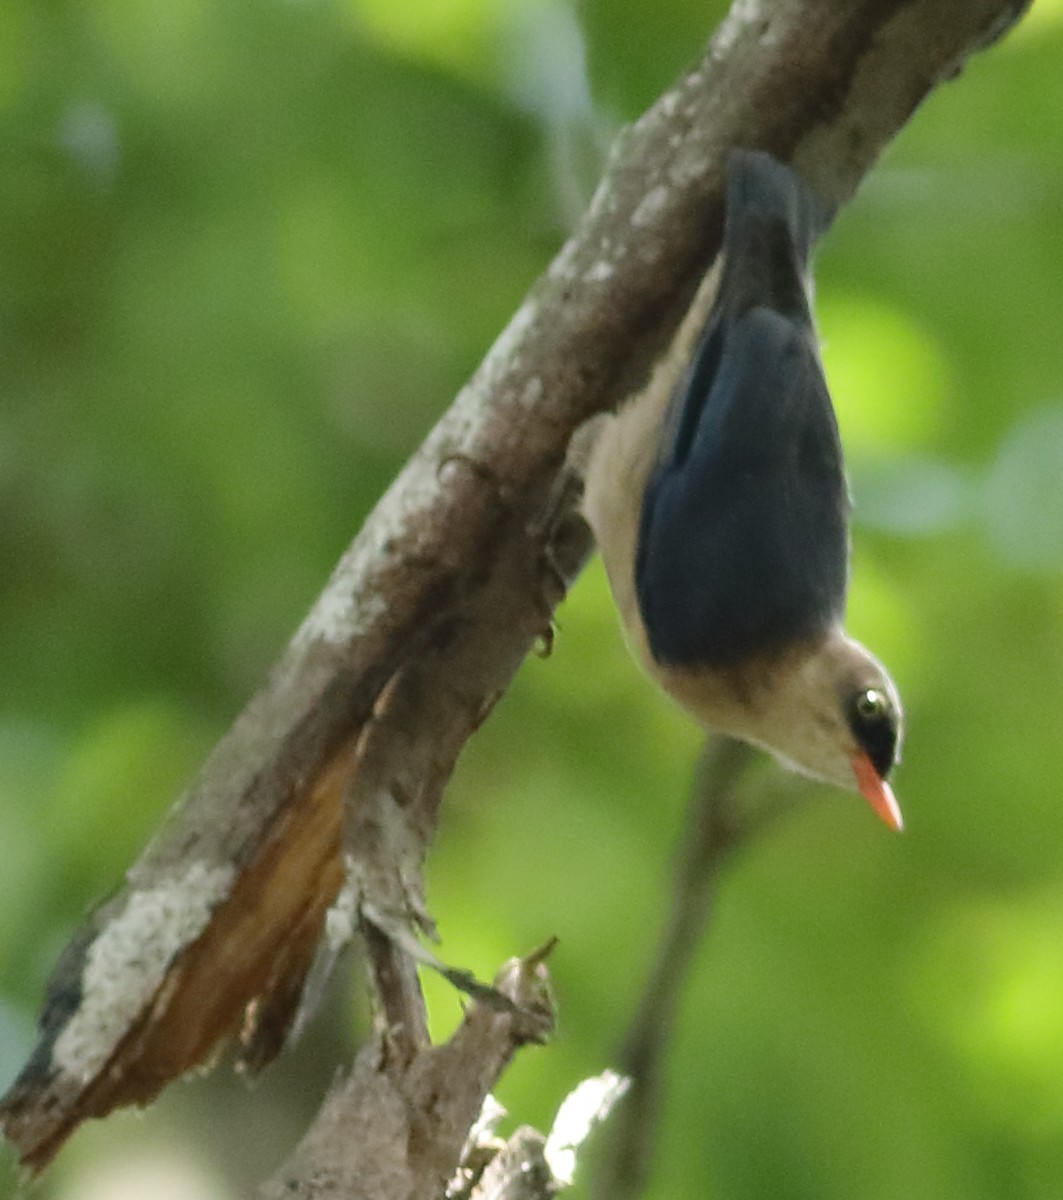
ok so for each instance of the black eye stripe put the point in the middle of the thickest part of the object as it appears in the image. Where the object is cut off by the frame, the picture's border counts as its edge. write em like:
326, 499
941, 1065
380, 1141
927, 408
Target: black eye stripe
874, 724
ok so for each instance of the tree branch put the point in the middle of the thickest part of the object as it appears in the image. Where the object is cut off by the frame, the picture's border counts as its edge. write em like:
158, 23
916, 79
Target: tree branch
453, 577
395, 1130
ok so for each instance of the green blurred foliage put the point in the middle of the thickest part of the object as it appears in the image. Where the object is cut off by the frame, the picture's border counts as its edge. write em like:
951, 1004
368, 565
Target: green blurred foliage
248, 253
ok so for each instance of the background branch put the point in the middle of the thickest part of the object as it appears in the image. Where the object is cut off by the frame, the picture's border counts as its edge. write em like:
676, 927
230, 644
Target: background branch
730, 804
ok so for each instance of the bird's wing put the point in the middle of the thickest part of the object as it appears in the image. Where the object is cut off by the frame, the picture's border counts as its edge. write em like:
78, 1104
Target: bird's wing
743, 541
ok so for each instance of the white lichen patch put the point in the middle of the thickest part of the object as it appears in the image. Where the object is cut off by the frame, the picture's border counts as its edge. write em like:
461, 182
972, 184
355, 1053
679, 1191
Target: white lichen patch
650, 206
688, 167
505, 353
128, 960
669, 103
460, 428
341, 920
564, 260
339, 612
532, 392
601, 271
743, 14
349, 606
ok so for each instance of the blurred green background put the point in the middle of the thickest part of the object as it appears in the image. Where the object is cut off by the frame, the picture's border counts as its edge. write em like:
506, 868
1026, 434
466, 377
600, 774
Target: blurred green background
248, 253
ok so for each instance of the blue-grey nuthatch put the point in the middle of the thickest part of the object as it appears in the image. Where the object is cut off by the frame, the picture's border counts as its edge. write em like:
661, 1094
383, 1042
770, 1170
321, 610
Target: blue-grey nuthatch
721, 509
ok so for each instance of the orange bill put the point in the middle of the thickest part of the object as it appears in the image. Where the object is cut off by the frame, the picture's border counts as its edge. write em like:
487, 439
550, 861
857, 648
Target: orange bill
877, 792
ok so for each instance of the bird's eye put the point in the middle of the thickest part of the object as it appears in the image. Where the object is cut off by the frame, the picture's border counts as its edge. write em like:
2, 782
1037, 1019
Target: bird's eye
875, 725
872, 704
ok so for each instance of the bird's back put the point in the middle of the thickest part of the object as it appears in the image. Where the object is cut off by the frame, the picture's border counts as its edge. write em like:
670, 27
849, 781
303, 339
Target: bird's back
743, 543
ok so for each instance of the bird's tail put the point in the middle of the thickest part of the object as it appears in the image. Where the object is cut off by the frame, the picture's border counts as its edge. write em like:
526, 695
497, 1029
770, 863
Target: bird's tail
773, 218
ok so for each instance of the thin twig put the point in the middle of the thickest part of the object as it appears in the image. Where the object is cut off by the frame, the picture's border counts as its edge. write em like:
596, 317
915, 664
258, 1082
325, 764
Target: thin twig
728, 807
398, 992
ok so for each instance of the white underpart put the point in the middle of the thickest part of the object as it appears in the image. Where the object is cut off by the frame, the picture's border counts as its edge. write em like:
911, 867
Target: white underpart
126, 964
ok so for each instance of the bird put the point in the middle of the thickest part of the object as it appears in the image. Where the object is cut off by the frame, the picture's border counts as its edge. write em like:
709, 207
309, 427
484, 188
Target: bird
719, 502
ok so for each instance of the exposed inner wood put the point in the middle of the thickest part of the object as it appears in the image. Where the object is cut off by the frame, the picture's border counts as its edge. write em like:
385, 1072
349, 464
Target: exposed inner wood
261, 940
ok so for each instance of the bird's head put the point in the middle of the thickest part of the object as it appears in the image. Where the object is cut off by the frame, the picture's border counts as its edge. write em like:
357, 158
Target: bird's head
828, 711
834, 714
